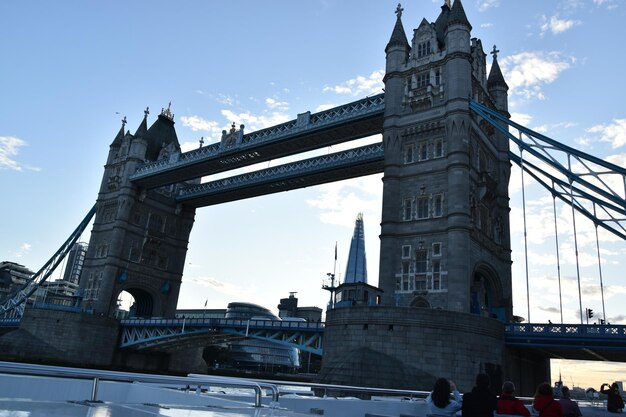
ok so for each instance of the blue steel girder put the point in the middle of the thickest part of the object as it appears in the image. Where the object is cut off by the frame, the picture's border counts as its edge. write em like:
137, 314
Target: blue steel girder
13, 304
312, 344
350, 121
337, 166
168, 333
594, 187
570, 341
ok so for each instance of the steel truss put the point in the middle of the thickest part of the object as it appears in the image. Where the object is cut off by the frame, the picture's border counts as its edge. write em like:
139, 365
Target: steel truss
13, 305
594, 187
279, 175
159, 333
305, 123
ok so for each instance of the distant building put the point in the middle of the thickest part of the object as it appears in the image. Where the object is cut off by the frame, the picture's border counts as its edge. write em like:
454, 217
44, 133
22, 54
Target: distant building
12, 277
59, 292
75, 262
288, 308
356, 268
355, 290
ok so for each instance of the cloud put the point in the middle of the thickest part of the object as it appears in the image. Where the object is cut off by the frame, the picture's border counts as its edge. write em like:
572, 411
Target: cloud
252, 122
227, 288
527, 72
614, 133
484, 5
357, 195
360, 86
9, 148
23, 250
275, 104
556, 25
197, 123
610, 4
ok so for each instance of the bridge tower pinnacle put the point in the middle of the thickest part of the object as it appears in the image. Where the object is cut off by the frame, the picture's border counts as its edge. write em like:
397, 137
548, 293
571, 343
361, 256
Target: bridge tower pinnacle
139, 238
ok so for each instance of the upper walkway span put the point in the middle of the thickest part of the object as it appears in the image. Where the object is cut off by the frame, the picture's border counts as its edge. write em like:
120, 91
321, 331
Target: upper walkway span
308, 132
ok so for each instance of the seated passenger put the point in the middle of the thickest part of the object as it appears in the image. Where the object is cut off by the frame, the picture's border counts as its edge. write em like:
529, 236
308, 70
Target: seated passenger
480, 402
544, 404
508, 404
570, 407
438, 401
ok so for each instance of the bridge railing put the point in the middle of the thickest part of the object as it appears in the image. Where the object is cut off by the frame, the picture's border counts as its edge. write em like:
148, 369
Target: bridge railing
567, 330
257, 324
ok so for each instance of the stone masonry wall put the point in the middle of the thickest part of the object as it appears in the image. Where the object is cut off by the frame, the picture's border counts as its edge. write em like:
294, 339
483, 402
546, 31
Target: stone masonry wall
63, 338
408, 347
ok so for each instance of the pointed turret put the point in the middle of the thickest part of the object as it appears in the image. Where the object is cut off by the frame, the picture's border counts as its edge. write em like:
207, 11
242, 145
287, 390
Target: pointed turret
117, 142
498, 88
458, 16
397, 55
441, 24
398, 36
160, 134
143, 126
356, 269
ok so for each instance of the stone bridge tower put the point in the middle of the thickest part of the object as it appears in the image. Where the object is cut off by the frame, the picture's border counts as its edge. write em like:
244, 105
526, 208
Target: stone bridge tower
445, 265
445, 217
139, 238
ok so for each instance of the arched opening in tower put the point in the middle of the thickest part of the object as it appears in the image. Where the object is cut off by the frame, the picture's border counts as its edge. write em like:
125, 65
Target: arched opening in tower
134, 302
482, 293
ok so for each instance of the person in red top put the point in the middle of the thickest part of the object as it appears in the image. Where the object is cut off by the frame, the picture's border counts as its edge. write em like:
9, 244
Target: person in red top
544, 403
508, 404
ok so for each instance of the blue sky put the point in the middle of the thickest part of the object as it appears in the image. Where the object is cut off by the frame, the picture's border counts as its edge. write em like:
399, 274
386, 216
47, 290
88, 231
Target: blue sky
72, 69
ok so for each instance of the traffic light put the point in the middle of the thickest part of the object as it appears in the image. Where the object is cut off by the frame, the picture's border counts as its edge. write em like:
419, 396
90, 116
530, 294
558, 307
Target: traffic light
589, 313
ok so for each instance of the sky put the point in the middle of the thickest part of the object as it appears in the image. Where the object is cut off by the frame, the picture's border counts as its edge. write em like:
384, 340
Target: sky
71, 70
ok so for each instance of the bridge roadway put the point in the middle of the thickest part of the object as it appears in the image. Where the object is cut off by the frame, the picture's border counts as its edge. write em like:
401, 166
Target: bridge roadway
308, 132
558, 341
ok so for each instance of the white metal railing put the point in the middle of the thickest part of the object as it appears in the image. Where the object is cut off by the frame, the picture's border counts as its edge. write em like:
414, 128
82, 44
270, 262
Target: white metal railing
98, 375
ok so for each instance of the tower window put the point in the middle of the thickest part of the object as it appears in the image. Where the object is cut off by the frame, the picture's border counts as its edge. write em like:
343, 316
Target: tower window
437, 249
409, 152
436, 284
423, 151
438, 148
423, 79
422, 208
438, 205
406, 251
408, 209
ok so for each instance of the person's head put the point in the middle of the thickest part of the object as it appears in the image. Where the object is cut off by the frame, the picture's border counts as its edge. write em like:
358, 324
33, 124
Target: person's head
543, 389
565, 392
482, 381
508, 388
441, 393
614, 386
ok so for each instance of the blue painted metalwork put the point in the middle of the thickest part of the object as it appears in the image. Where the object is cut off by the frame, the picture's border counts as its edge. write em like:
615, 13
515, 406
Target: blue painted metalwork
577, 178
13, 322
281, 173
147, 333
13, 305
305, 123
608, 337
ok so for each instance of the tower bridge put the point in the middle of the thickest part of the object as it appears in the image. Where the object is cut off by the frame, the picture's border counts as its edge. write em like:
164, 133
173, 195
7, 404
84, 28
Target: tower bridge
445, 236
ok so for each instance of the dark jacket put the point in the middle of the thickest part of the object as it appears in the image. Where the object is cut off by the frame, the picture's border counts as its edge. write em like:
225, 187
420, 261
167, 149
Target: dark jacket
479, 403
